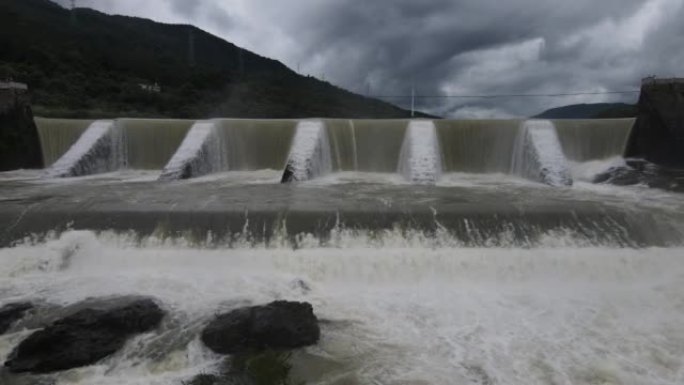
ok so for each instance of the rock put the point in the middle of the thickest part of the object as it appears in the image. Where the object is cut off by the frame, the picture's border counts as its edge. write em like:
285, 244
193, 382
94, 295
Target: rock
19, 140
12, 313
658, 134
95, 331
278, 325
639, 172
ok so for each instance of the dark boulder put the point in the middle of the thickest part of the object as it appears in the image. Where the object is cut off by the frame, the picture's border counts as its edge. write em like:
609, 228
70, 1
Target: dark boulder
278, 325
95, 331
639, 172
9, 314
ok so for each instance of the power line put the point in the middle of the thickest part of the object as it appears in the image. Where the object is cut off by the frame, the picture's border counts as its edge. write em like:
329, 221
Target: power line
502, 95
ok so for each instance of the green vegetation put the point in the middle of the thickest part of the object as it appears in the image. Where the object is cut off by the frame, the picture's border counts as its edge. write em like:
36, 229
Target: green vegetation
87, 64
591, 111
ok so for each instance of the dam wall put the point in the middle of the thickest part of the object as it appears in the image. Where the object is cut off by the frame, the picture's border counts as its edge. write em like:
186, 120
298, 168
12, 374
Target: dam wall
659, 130
421, 151
19, 141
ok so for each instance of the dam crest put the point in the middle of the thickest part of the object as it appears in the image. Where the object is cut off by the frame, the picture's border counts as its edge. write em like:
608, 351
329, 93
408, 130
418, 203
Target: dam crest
420, 151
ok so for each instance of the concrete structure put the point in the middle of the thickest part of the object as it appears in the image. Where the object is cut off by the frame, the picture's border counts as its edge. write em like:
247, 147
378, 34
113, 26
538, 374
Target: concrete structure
19, 141
658, 134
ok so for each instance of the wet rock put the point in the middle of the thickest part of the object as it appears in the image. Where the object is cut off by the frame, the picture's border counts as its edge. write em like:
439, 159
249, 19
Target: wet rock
278, 325
95, 331
639, 172
9, 314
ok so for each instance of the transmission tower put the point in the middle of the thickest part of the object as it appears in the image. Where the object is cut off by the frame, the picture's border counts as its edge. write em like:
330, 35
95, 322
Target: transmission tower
73, 4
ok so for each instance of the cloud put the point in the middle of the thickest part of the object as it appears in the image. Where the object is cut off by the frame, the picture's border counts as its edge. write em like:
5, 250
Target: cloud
447, 47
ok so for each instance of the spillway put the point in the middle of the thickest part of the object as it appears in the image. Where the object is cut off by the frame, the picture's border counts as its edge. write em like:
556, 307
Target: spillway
585, 140
109, 145
537, 154
420, 161
477, 146
361, 146
366, 145
431, 267
151, 143
58, 135
310, 153
251, 145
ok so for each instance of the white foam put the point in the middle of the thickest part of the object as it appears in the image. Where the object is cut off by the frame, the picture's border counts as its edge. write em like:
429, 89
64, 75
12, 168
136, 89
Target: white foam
538, 154
200, 151
310, 155
588, 171
420, 158
404, 314
83, 157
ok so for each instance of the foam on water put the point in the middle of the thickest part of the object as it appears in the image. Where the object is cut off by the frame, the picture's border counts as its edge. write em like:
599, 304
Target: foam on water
100, 149
420, 161
199, 154
538, 154
398, 314
588, 171
310, 153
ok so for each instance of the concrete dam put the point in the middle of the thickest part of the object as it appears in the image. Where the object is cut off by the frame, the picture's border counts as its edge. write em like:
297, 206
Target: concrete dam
433, 251
226, 181
419, 150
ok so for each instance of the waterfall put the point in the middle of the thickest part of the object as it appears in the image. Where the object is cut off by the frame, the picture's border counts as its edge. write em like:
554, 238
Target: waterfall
538, 154
199, 154
586, 140
366, 145
58, 135
310, 154
100, 149
477, 146
420, 161
151, 143
251, 144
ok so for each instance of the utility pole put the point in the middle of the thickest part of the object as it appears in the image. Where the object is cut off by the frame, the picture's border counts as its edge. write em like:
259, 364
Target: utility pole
413, 101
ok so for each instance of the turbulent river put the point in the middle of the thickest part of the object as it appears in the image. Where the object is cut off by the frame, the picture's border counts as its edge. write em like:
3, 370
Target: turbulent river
397, 306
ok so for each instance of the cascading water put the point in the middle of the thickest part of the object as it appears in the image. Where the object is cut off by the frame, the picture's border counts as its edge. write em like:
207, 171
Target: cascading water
151, 143
420, 161
538, 155
588, 140
199, 154
310, 154
366, 145
477, 146
58, 135
493, 281
100, 149
250, 145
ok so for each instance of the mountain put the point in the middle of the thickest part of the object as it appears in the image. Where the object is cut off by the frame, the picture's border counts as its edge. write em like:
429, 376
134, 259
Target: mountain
590, 111
84, 63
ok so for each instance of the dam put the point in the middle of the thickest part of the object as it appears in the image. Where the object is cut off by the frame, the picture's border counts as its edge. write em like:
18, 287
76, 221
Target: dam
433, 251
372, 146
472, 183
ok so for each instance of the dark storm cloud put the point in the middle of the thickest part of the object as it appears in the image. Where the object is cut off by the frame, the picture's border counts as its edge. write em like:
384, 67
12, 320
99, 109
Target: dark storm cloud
446, 47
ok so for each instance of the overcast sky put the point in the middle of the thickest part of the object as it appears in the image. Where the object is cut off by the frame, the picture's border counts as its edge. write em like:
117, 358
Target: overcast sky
449, 47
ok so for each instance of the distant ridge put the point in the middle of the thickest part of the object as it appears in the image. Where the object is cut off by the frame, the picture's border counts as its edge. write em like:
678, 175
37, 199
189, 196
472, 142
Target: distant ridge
89, 64
590, 111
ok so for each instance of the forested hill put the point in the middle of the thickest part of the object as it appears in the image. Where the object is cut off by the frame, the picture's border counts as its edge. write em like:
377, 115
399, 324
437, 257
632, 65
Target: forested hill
86, 63
591, 111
